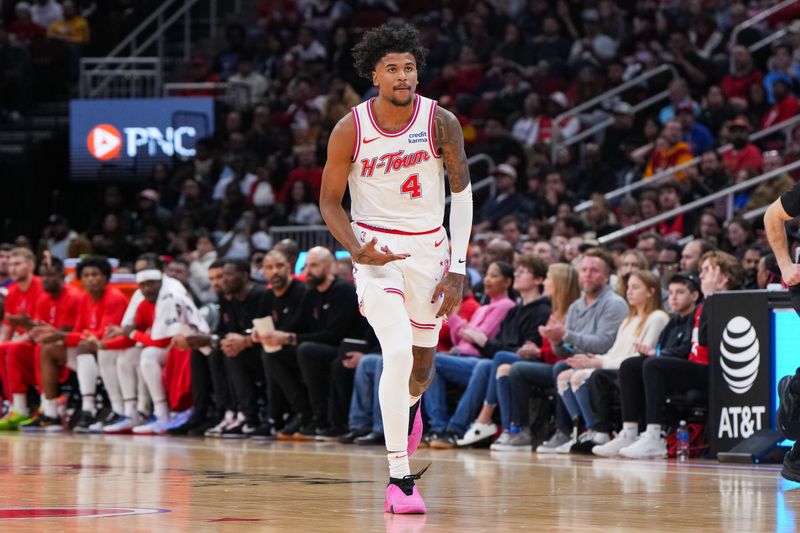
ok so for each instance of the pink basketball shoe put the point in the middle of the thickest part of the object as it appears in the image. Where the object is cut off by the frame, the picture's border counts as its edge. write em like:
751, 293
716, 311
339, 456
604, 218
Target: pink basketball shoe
402, 496
415, 427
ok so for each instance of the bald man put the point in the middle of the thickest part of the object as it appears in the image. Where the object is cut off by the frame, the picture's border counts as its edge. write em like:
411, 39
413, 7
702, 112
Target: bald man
331, 307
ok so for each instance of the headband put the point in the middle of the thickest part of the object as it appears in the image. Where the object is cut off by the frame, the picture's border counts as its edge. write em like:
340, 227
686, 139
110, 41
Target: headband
150, 274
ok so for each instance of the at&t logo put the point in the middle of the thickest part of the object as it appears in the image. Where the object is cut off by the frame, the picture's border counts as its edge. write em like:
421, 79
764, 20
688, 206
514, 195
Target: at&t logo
739, 355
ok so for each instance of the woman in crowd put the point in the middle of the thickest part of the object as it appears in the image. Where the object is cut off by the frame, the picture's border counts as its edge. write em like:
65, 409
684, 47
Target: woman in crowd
561, 286
629, 261
644, 324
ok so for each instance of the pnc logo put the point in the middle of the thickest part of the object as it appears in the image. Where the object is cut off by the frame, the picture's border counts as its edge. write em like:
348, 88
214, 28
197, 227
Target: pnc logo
104, 142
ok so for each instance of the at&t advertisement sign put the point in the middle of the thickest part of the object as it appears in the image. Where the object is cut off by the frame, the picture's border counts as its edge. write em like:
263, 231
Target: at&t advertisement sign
127, 137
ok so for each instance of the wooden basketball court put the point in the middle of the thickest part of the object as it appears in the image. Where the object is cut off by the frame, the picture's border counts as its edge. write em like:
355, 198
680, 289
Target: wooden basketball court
124, 483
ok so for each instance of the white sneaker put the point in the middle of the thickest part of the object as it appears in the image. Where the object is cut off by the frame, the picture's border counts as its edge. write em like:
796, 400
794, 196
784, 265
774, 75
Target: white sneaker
551, 444
646, 447
224, 424
612, 448
122, 427
517, 442
566, 447
476, 433
502, 440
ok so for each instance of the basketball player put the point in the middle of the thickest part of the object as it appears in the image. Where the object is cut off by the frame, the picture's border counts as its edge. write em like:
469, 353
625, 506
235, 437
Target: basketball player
390, 150
781, 211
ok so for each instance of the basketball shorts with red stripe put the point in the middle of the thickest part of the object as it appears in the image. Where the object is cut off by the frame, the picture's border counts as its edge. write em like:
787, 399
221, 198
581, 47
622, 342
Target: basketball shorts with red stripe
414, 279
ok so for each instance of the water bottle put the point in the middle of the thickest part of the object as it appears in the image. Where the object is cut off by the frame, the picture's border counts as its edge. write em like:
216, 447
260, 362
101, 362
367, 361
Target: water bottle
682, 444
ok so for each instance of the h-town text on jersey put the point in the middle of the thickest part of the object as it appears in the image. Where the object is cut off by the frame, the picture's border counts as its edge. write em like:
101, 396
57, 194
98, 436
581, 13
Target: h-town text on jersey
393, 161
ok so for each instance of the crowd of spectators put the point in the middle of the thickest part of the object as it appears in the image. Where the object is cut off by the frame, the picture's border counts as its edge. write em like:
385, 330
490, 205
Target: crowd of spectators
507, 70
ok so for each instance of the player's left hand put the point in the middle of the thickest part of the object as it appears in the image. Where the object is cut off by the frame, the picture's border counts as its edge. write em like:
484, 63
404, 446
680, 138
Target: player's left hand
452, 288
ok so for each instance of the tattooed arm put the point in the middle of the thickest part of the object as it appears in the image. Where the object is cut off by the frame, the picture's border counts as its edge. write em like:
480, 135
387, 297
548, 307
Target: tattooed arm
449, 139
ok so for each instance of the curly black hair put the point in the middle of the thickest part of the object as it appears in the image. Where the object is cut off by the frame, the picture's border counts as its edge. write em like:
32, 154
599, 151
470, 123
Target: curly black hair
97, 261
386, 39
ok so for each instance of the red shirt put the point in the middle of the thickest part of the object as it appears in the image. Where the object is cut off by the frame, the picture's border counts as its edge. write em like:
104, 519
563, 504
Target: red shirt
18, 302
699, 353
748, 157
736, 86
783, 110
95, 317
61, 311
313, 176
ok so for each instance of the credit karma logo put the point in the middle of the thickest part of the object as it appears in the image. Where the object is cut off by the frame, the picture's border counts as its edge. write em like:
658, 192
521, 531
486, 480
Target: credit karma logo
106, 142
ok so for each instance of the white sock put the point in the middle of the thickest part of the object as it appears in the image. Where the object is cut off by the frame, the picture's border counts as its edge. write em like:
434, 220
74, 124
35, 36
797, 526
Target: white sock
107, 362
21, 404
151, 363
630, 429
162, 410
49, 408
398, 464
87, 379
127, 375
130, 408
654, 430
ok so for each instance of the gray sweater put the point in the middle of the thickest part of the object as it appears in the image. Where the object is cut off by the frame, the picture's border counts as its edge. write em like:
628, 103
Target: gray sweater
592, 328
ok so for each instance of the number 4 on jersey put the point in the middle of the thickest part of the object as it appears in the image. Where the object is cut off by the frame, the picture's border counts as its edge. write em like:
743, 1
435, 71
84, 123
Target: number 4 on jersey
411, 186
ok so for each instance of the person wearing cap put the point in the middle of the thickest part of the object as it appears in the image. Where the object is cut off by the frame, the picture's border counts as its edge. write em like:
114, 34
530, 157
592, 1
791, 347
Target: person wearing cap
743, 154
505, 202
669, 151
24, 29
643, 380
694, 133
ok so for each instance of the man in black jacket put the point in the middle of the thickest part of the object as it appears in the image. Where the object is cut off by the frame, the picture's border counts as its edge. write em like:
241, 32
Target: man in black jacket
675, 341
332, 309
285, 302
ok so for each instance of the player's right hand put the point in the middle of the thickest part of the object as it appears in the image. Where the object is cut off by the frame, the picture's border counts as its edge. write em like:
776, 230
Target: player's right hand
370, 255
791, 274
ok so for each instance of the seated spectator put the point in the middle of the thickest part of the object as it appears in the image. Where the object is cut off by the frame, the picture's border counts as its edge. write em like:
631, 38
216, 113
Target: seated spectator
600, 214
667, 265
678, 92
766, 192
71, 28
650, 244
661, 375
709, 228
711, 177
785, 104
245, 237
589, 327
737, 237
24, 29
694, 133
668, 152
742, 74
629, 261
457, 366
519, 328
669, 197
716, 110
307, 169
506, 200
675, 342
743, 154
643, 325
308, 48
768, 274
595, 47
691, 254
750, 261
782, 68
301, 210
255, 82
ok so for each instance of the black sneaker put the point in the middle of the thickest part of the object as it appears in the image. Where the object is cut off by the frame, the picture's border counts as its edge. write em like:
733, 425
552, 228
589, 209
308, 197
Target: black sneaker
240, 429
265, 431
791, 464
291, 427
788, 416
43, 423
370, 439
85, 421
443, 441
353, 434
307, 431
329, 433
200, 431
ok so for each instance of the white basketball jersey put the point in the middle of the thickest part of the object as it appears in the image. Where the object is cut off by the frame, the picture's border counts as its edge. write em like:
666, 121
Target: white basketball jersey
397, 178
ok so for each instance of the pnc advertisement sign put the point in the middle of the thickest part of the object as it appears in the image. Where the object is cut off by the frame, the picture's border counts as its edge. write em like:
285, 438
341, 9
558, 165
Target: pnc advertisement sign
125, 138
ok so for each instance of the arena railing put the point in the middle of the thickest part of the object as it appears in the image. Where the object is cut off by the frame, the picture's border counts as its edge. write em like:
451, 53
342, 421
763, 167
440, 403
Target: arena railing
727, 193
318, 235
235, 94
120, 77
597, 100
787, 126
755, 19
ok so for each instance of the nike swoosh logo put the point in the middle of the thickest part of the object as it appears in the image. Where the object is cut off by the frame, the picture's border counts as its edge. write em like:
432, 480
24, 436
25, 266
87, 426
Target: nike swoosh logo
367, 141
439, 243
462, 261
